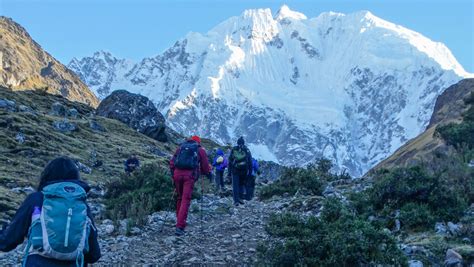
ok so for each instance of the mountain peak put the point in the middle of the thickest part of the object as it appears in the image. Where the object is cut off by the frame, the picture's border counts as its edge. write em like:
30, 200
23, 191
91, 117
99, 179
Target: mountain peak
285, 12
30, 67
103, 54
309, 82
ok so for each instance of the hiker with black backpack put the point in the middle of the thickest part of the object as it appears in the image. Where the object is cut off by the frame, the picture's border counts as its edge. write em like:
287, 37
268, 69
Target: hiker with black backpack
56, 221
187, 164
240, 168
131, 164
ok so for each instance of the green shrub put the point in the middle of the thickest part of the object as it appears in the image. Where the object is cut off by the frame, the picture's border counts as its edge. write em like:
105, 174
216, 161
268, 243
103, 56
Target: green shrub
337, 238
416, 216
460, 134
421, 197
399, 186
148, 190
292, 180
311, 179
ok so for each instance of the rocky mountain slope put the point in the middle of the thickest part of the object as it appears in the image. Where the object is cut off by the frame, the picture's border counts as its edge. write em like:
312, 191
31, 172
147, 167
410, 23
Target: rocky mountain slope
24, 65
36, 127
449, 107
352, 88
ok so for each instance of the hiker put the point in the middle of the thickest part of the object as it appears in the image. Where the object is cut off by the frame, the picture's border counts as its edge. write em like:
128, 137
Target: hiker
188, 163
240, 168
57, 208
131, 164
220, 164
250, 183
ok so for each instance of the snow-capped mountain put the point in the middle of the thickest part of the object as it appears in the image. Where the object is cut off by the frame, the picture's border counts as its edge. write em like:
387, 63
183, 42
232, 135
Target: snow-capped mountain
352, 88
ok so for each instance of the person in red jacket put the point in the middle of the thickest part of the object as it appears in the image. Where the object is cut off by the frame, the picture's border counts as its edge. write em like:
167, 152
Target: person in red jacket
188, 163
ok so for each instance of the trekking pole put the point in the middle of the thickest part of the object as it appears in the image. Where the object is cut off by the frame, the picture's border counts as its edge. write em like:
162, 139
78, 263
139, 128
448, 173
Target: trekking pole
173, 203
202, 199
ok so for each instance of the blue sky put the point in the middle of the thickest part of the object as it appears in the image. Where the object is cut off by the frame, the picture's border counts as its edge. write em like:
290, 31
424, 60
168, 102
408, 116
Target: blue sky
139, 28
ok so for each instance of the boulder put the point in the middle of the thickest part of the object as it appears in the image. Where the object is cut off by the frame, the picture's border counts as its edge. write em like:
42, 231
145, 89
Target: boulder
440, 228
136, 111
58, 109
453, 259
7, 105
73, 113
64, 126
96, 126
20, 138
23, 108
454, 228
83, 167
415, 263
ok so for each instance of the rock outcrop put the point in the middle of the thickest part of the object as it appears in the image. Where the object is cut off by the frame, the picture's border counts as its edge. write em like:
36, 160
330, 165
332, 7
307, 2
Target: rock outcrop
24, 65
136, 111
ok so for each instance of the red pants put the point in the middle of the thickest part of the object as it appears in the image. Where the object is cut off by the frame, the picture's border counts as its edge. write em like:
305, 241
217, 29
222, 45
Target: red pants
184, 187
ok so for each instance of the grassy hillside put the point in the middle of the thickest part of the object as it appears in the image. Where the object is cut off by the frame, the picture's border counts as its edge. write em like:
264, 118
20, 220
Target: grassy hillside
22, 163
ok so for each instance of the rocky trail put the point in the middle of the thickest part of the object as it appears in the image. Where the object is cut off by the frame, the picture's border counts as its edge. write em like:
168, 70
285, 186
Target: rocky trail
221, 234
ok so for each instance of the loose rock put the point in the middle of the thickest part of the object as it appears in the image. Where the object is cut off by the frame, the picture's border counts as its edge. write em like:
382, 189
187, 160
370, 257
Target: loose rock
64, 126
58, 109
7, 105
453, 259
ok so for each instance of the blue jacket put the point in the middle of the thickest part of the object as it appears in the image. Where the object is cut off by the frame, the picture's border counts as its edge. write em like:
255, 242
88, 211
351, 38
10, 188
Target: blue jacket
220, 166
255, 167
17, 231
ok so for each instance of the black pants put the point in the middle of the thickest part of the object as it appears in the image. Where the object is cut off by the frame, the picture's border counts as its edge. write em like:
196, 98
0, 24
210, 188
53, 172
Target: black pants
249, 187
220, 179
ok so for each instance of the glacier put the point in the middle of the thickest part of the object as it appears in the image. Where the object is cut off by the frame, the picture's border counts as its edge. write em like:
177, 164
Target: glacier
349, 87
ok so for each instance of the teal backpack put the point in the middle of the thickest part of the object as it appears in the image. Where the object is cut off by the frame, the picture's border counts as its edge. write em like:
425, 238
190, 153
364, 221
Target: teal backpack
61, 230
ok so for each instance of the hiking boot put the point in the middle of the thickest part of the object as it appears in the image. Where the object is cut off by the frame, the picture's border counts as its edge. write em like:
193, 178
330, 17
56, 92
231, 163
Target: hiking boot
179, 232
241, 202
236, 204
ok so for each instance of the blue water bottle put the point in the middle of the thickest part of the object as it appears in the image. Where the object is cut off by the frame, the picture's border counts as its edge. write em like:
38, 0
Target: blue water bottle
36, 229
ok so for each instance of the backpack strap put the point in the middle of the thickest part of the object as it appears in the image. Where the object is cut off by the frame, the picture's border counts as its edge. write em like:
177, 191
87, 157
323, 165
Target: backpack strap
27, 249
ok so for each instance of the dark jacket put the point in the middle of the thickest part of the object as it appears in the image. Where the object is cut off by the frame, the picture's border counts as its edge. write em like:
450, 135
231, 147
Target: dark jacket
232, 162
17, 231
132, 161
203, 168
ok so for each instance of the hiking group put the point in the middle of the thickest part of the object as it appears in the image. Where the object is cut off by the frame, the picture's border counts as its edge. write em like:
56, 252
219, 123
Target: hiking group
57, 222
190, 161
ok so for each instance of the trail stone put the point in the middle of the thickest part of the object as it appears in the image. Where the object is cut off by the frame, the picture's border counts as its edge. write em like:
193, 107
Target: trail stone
453, 259
109, 229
